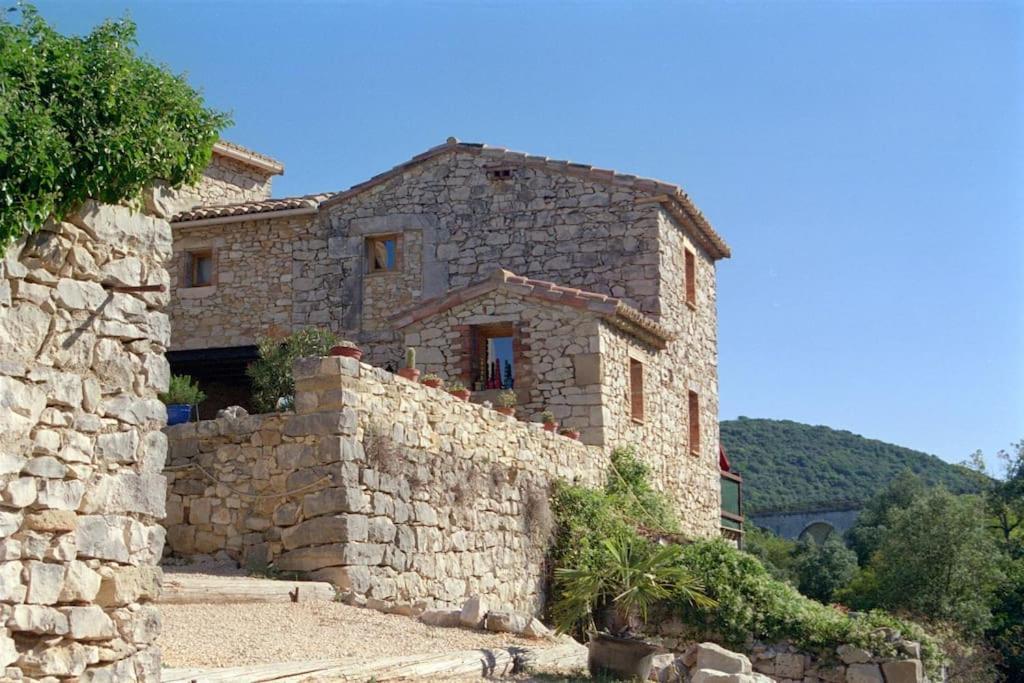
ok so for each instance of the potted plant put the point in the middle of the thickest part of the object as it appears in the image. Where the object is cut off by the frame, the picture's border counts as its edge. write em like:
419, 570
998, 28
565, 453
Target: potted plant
347, 349
181, 395
409, 371
458, 390
571, 433
609, 597
548, 418
433, 381
505, 402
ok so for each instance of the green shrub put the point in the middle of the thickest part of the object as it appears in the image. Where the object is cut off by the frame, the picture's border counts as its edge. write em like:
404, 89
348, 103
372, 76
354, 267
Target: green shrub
271, 374
86, 117
824, 568
629, 487
181, 390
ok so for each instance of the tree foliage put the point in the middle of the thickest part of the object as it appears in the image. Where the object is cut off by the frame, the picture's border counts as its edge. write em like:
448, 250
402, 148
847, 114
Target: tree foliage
788, 466
271, 373
866, 534
87, 117
823, 568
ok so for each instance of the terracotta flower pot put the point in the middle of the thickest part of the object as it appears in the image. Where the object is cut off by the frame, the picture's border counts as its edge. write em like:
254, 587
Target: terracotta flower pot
347, 352
550, 426
461, 394
433, 383
411, 374
506, 411
571, 433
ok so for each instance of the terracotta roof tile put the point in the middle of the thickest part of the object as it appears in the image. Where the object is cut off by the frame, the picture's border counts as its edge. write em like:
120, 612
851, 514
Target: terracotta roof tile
310, 201
248, 156
612, 309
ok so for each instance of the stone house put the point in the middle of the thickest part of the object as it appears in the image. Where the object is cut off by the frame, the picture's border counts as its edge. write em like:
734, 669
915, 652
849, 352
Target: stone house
588, 292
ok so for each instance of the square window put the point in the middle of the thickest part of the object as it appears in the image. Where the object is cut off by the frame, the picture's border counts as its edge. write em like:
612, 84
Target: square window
636, 389
382, 253
694, 419
200, 269
691, 279
494, 365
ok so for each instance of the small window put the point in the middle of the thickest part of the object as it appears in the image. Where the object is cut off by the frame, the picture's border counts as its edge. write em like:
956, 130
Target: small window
636, 389
494, 364
694, 402
691, 279
200, 269
382, 253
500, 173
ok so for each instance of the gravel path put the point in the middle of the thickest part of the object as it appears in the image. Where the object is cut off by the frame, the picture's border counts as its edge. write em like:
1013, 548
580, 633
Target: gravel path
232, 635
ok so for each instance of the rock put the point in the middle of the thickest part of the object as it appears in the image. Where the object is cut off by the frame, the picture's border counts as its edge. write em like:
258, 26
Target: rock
44, 582
713, 676
717, 658
864, 673
57, 657
125, 585
20, 493
506, 622
232, 412
89, 623
689, 656
473, 612
126, 492
442, 617
345, 579
853, 655
905, 671
61, 495
38, 619
665, 669
309, 559
334, 500
320, 530
118, 447
910, 648
789, 665
8, 650
81, 584
52, 520
12, 588
536, 629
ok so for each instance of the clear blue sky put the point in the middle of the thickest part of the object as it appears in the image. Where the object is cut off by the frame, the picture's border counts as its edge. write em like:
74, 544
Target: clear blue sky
864, 160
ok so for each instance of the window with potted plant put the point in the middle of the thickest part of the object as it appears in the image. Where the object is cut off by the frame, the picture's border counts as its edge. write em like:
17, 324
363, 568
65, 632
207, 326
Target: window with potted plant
505, 402
182, 395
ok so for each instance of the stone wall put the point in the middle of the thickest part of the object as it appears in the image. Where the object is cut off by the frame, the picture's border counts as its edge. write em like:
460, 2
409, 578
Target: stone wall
227, 181
398, 493
259, 271
81, 451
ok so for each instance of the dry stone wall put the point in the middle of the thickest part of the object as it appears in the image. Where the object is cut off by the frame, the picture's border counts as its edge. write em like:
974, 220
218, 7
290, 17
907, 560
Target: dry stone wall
81, 451
401, 495
227, 181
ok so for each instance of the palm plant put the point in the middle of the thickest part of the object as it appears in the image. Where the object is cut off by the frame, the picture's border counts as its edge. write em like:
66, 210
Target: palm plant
624, 579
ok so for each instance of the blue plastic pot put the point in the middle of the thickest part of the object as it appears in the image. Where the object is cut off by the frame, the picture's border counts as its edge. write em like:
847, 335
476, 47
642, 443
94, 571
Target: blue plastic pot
178, 413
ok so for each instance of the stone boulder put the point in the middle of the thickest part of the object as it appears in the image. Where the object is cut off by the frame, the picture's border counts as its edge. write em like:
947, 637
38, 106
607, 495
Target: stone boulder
716, 658
474, 611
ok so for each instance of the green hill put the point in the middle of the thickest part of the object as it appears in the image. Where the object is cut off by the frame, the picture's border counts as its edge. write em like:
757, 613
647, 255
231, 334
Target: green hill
789, 466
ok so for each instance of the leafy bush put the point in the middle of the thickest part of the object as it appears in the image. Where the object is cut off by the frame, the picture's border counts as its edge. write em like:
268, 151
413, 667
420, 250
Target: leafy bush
86, 117
631, 491
182, 391
271, 374
776, 553
824, 568
753, 605
506, 399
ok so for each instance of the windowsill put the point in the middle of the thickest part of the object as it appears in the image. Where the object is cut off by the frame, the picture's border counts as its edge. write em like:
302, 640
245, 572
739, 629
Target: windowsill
694, 453
382, 273
196, 292
636, 420
691, 305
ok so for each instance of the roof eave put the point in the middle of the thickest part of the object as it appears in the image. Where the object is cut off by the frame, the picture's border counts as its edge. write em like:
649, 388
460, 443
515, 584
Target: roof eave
249, 158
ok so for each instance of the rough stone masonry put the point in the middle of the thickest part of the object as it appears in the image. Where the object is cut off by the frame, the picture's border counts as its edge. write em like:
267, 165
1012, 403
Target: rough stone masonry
81, 447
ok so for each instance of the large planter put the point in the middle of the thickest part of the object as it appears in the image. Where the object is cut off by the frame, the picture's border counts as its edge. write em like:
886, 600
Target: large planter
550, 426
625, 658
411, 374
506, 410
433, 383
178, 413
347, 352
461, 394
571, 433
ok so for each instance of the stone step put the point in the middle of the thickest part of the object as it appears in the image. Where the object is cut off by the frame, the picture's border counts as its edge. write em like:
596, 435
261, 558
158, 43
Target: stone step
184, 588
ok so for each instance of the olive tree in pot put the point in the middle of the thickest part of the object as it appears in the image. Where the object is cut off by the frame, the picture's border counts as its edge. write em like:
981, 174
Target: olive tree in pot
610, 598
505, 402
549, 421
181, 396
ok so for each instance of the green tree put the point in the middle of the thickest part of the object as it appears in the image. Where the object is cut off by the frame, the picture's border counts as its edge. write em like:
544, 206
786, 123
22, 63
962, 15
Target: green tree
777, 554
271, 374
86, 117
865, 536
937, 559
823, 568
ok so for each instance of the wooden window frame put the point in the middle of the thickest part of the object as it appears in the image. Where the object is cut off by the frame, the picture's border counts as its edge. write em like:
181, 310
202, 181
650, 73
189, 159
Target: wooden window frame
690, 276
191, 269
636, 390
481, 334
369, 243
693, 421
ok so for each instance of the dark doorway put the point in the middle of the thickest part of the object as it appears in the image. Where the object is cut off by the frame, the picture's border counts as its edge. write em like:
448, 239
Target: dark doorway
220, 373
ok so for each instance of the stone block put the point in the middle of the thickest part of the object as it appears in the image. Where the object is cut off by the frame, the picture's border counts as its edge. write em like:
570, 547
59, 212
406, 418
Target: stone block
126, 492
89, 623
37, 619
851, 654
125, 585
717, 658
44, 582
52, 520
474, 611
346, 579
447, 618
12, 588
310, 559
864, 673
81, 584
905, 671
327, 501
327, 529
506, 622
789, 665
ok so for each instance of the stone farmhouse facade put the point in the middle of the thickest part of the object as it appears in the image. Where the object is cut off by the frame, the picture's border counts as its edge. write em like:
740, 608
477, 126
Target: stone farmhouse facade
588, 292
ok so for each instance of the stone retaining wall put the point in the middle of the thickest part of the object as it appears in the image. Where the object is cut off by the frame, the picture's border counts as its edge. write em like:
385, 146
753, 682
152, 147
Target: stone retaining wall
401, 495
81, 362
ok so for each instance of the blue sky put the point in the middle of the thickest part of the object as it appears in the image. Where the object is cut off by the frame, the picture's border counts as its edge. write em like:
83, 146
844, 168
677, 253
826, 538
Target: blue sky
865, 161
